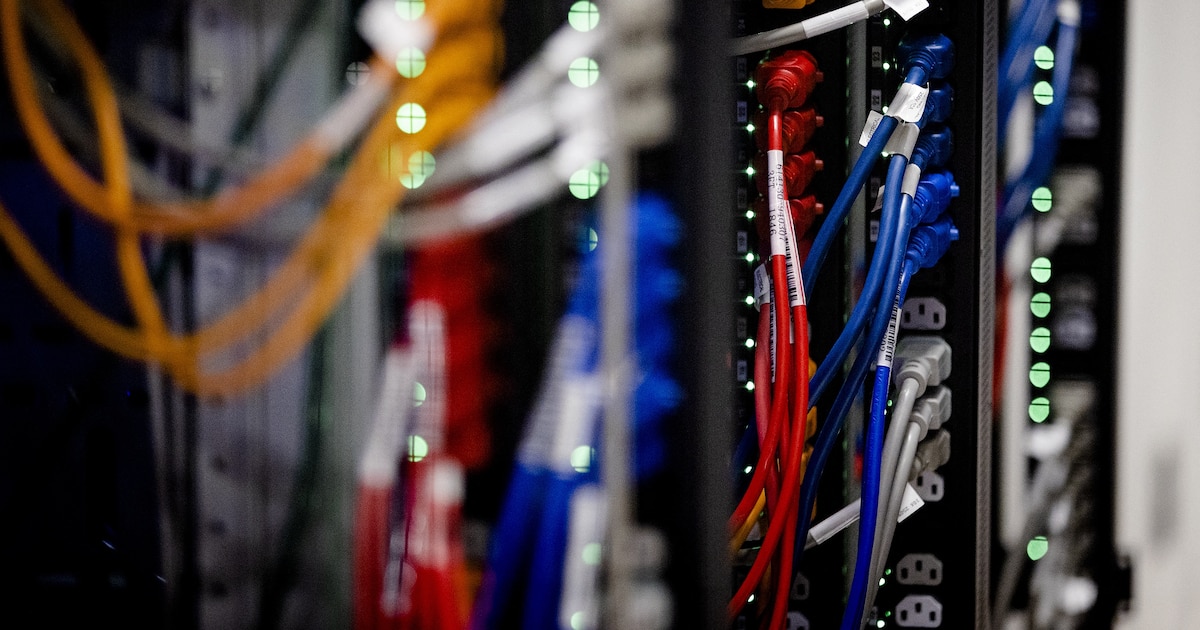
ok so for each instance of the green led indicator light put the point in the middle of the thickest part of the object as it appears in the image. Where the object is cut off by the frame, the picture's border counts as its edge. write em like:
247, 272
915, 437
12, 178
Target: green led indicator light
1040, 269
410, 62
591, 554
750, 128
1039, 374
583, 72
410, 9
1043, 57
1039, 340
583, 16
1039, 409
749, 386
418, 448
750, 344
420, 167
419, 394
747, 470
750, 171
593, 239
749, 215
886, 66
881, 623
410, 118
1043, 93
601, 171
586, 182
581, 458
887, 21
1039, 304
1042, 199
1037, 548
750, 84
578, 620
749, 300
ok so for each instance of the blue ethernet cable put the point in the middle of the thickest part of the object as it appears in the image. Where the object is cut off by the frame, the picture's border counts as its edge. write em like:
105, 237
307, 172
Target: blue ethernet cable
826, 440
873, 451
928, 57
1017, 194
932, 150
860, 315
925, 58
927, 245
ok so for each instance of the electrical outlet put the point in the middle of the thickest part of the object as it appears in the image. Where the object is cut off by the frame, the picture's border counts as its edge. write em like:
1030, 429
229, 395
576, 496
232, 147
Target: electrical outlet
923, 313
922, 569
799, 588
931, 486
919, 611
797, 621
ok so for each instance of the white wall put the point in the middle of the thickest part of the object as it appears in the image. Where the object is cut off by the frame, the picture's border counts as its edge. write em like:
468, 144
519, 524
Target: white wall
1158, 521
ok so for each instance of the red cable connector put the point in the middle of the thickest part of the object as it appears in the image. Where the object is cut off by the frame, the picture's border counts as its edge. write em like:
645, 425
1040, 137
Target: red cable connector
804, 212
799, 125
785, 81
798, 172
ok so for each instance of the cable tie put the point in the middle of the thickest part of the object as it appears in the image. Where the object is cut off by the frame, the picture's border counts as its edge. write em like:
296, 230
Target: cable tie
912, 177
903, 140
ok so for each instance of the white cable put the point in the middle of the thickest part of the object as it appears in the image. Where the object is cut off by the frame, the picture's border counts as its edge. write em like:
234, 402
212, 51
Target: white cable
805, 29
509, 138
540, 74
502, 200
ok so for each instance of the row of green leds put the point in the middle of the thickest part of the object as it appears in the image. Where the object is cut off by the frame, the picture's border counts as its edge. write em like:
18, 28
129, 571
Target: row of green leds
1039, 304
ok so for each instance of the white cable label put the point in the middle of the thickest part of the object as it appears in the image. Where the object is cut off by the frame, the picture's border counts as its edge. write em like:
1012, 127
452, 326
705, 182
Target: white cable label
887, 349
906, 9
909, 104
777, 203
771, 314
873, 120
762, 287
903, 140
878, 206
794, 280
909, 503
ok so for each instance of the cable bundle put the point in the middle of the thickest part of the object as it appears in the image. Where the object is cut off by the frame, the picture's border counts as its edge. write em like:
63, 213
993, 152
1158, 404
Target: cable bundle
305, 288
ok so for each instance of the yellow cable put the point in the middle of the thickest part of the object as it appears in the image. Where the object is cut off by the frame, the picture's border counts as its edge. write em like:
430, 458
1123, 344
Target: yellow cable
229, 208
373, 191
743, 532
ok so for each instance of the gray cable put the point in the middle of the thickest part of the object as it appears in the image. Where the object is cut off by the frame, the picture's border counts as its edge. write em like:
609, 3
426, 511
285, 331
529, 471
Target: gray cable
901, 412
887, 530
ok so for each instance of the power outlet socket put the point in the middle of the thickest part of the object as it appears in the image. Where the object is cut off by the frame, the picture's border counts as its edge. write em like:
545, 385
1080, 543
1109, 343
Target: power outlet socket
919, 611
797, 621
923, 313
920, 569
931, 486
799, 588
